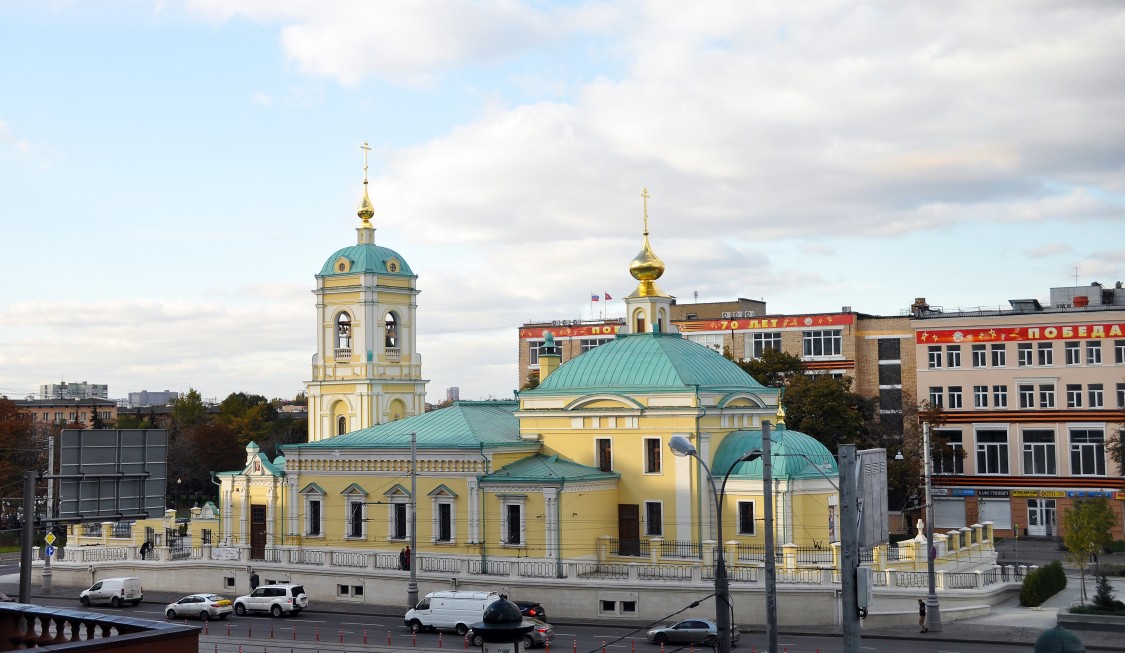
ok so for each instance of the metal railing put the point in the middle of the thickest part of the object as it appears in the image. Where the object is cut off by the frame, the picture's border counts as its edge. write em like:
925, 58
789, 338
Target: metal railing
681, 549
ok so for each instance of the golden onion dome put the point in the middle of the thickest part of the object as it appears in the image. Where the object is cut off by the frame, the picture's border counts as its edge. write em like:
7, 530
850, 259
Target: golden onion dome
646, 266
366, 210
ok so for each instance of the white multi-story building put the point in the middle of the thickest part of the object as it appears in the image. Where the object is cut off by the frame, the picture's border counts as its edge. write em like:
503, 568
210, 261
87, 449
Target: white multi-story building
79, 390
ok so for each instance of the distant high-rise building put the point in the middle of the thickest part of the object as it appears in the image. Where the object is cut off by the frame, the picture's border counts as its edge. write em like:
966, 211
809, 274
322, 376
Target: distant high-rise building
146, 398
453, 394
79, 390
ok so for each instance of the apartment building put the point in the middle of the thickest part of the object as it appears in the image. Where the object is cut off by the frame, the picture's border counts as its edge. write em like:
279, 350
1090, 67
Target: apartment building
1031, 395
68, 411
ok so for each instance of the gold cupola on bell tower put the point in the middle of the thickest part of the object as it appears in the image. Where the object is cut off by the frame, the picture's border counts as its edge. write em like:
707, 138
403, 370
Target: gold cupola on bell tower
648, 307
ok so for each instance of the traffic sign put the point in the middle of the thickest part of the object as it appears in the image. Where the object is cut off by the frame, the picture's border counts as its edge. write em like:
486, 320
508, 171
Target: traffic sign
50, 539
50, 550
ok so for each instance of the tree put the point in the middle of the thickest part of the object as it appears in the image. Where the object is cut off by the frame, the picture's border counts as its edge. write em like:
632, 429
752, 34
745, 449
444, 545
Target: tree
1115, 446
1086, 532
532, 380
96, 421
188, 410
773, 368
23, 447
824, 407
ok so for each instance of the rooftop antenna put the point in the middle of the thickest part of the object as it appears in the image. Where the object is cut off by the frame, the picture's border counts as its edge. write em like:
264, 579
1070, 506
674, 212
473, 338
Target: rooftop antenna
696, 293
1076, 276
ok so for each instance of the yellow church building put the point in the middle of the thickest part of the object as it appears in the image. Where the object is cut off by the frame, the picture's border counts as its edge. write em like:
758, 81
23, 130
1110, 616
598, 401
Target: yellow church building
576, 469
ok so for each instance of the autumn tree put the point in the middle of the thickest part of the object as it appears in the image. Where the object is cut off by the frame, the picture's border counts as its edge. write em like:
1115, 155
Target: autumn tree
1086, 532
773, 368
23, 447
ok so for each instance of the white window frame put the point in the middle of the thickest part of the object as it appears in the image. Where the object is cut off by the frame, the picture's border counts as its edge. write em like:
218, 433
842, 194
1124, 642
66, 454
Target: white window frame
1046, 354
753, 518
1074, 395
763, 340
937, 398
955, 397
953, 356
980, 356
659, 456
354, 494
1073, 351
1083, 445
1025, 354
1119, 352
519, 500
1093, 352
830, 342
999, 450
533, 352
980, 396
1036, 452
999, 355
999, 396
313, 494
439, 497
1027, 395
1096, 395
395, 497
1046, 395
934, 352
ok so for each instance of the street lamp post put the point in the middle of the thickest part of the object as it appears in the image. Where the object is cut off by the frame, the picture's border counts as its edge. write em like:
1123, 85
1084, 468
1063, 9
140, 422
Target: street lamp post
681, 446
933, 609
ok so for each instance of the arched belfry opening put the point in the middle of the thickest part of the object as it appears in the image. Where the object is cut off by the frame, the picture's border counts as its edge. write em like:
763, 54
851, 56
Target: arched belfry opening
343, 331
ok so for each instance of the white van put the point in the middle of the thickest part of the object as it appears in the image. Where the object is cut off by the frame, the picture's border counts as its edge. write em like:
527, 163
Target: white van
113, 591
457, 611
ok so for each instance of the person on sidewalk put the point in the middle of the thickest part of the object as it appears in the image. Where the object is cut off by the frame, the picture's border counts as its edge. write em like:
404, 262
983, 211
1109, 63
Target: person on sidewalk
922, 616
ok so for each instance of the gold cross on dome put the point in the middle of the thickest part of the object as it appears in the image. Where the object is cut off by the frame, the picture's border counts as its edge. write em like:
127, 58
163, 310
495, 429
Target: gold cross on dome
645, 195
366, 148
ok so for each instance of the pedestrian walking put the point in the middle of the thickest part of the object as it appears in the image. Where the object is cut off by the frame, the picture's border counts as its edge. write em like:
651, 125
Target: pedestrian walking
922, 616
406, 556
402, 558
145, 548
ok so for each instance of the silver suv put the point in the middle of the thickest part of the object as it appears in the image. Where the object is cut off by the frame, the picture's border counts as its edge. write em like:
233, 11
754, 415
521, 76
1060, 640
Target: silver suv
274, 599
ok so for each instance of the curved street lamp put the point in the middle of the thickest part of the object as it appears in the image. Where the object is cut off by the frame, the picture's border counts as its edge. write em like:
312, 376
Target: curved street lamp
681, 446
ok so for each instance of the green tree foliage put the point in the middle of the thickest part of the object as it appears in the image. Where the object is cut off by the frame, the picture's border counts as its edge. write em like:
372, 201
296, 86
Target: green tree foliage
251, 417
188, 410
23, 447
1086, 532
1115, 446
774, 368
825, 408
532, 380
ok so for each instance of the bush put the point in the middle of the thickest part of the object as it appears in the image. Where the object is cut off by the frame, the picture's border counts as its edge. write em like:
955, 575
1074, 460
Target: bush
1103, 597
1042, 583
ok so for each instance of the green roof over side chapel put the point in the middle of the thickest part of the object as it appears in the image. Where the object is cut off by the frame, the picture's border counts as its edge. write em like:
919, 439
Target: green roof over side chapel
541, 468
464, 425
648, 362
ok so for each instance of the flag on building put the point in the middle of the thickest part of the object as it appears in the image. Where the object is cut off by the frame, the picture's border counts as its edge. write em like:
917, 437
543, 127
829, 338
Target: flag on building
594, 297
607, 297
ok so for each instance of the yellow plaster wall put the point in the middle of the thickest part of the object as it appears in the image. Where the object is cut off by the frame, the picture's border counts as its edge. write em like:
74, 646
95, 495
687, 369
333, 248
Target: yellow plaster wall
586, 516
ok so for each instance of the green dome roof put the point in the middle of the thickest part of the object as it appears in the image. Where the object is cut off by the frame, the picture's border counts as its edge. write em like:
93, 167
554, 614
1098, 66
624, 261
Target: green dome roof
795, 456
366, 258
648, 362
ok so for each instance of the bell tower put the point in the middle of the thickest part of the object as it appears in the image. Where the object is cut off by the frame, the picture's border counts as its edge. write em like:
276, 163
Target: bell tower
366, 369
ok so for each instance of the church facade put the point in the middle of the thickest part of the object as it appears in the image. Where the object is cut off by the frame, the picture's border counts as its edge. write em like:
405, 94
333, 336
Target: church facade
578, 468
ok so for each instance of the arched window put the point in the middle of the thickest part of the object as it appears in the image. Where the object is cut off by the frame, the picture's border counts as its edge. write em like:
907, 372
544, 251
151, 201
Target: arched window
343, 331
341, 425
391, 331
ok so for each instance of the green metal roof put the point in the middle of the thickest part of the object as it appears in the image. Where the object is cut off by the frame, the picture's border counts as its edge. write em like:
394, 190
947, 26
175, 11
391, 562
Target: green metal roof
795, 456
366, 258
541, 468
647, 362
464, 425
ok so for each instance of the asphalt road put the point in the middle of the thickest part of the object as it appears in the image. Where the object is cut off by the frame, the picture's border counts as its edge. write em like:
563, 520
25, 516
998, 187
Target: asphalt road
345, 632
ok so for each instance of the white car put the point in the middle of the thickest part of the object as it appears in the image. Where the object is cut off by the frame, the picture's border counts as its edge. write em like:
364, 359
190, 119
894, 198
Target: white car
204, 606
274, 599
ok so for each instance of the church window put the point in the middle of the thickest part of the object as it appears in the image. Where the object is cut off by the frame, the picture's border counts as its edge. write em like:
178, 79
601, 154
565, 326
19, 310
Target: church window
604, 453
654, 518
442, 515
314, 526
398, 521
745, 517
512, 520
444, 531
652, 455
355, 518
341, 425
392, 267
640, 324
391, 329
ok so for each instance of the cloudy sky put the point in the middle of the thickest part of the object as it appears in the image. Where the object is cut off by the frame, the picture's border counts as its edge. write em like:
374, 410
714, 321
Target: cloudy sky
173, 173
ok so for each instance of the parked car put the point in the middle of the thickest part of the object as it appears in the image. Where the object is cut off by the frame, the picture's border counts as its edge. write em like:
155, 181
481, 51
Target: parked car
532, 609
204, 606
274, 599
114, 591
542, 633
689, 631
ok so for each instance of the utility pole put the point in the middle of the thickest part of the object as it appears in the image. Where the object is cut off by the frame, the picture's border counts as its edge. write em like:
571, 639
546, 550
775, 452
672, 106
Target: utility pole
412, 585
849, 547
770, 561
